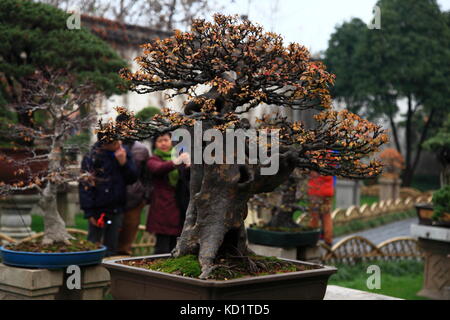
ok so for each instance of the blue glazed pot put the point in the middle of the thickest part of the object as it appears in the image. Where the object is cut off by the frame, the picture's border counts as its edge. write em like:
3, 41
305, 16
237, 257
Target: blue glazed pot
54, 260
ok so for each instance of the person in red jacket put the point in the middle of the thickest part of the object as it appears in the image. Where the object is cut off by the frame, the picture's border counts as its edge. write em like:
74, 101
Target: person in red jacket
320, 195
170, 195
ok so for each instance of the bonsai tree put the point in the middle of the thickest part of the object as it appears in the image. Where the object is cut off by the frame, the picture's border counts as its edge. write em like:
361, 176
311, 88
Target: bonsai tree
440, 144
147, 113
290, 196
244, 67
441, 204
34, 36
60, 99
393, 163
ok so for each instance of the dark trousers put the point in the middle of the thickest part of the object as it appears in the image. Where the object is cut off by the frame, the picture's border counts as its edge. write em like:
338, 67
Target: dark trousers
165, 243
108, 235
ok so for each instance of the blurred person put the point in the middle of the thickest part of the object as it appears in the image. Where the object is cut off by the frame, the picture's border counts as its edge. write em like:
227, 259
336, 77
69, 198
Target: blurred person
137, 194
103, 199
320, 196
170, 194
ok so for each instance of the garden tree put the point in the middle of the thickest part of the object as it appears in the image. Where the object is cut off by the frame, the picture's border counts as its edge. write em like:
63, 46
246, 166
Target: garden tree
34, 36
440, 144
147, 113
161, 14
342, 59
288, 196
244, 67
60, 97
407, 59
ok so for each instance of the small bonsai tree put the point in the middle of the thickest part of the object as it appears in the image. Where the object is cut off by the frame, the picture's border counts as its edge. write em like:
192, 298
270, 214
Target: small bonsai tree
393, 163
441, 203
60, 98
244, 67
147, 113
289, 197
440, 144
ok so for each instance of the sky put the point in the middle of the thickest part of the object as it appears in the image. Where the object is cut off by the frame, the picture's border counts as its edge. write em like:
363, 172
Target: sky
308, 22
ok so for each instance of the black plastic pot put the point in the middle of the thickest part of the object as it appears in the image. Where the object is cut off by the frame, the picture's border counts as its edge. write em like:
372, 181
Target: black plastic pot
134, 283
283, 239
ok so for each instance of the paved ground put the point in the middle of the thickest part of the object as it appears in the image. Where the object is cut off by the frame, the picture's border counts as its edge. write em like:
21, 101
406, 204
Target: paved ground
388, 231
341, 293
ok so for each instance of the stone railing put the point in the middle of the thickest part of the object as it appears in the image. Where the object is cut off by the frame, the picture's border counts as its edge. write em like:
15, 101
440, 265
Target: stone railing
355, 248
341, 216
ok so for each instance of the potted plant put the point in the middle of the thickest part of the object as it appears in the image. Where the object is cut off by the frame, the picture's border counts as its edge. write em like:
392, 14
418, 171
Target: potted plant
243, 68
48, 83
59, 97
438, 212
281, 230
389, 182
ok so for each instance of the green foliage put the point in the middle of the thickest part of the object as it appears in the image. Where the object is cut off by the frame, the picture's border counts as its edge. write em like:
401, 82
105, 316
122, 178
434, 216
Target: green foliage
441, 139
401, 278
37, 222
408, 58
441, 202
425, 182
81, 140
394, 268
147, 113
343, 59
6, 115
400, 59
35, 36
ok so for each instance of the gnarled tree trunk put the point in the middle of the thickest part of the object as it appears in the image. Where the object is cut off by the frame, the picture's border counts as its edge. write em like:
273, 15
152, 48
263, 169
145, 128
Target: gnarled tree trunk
215, 217
54, 226
282, 214
214, 225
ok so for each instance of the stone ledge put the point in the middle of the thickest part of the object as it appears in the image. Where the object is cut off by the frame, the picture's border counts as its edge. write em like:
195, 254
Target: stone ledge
287, 253
44, 284
341, 293
30, 279
430, 232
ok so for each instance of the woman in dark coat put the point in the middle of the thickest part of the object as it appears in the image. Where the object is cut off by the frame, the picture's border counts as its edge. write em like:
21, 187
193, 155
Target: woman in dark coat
170, 195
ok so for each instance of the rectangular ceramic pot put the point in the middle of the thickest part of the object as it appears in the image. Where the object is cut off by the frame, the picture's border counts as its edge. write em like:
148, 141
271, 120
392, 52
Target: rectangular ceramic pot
141, 284
425, 214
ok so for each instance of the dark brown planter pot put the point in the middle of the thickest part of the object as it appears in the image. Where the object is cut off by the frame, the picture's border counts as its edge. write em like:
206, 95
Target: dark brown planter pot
141, 284
425, 213
283, 239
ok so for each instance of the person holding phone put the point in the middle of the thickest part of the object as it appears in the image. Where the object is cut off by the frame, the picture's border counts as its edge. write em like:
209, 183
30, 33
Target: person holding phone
103, 198
170, 194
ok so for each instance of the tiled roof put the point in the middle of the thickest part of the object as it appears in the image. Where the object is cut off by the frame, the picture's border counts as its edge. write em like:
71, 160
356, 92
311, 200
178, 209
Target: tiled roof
119, 33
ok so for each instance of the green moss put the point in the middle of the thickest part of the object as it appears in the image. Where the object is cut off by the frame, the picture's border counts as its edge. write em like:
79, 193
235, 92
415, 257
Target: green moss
187, 266
230, 268
37, 246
